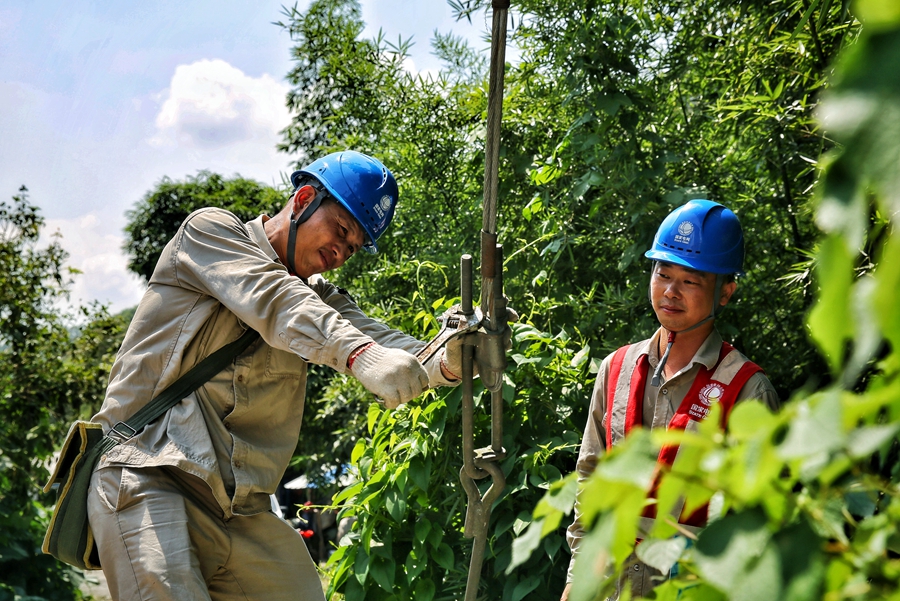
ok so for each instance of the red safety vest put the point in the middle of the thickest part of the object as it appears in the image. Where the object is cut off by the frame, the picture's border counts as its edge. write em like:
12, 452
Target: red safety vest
705, 391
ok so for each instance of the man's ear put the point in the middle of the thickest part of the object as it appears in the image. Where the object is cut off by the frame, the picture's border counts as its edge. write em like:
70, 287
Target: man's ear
726, 293
302, 197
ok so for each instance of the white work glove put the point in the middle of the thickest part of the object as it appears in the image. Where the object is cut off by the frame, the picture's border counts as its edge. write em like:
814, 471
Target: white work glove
451, 355
392, 375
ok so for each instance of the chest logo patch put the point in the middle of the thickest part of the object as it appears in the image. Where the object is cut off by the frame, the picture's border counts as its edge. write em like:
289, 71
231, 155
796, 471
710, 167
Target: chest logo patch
711, 393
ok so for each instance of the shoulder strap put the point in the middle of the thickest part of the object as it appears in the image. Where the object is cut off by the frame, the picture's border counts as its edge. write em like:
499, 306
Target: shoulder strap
183, 386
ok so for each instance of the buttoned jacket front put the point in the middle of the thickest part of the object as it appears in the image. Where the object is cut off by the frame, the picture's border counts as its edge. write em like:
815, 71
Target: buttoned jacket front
215, 278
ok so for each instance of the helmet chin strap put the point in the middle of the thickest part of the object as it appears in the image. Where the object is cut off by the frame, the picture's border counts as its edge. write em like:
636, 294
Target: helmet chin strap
297, 222
657, 373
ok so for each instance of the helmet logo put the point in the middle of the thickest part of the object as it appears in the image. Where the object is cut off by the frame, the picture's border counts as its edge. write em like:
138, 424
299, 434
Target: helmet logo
382, 205
685, 229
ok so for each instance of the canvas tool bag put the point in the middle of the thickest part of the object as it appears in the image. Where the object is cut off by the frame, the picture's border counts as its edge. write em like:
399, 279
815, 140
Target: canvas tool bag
69, 536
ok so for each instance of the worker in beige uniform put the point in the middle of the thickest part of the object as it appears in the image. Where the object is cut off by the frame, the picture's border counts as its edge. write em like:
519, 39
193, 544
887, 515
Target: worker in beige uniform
181, 511
672, 379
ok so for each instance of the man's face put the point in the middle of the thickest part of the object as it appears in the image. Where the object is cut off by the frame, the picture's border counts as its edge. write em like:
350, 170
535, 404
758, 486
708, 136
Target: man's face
682, 297
326, 240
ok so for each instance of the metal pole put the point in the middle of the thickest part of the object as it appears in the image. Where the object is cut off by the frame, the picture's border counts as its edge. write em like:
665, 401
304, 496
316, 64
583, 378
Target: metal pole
491, 354
492, 157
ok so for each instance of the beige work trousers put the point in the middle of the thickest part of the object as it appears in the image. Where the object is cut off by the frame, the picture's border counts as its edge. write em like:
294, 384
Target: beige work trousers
163, 538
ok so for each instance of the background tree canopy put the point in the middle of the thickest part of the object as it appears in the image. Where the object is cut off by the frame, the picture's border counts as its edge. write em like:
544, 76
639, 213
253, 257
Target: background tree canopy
51, 372
615, 113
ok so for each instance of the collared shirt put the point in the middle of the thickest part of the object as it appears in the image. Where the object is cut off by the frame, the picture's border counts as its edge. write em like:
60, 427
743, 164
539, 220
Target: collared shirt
659, 405
237, 432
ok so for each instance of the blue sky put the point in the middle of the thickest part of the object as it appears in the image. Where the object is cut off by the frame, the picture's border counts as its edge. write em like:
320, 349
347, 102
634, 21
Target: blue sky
99, 100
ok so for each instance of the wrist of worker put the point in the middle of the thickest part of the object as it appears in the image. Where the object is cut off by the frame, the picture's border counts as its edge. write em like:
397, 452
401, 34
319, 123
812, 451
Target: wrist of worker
438, 373
355, 353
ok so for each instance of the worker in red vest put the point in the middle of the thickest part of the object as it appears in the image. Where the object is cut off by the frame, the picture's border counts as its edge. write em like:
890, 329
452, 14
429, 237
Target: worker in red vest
673, 378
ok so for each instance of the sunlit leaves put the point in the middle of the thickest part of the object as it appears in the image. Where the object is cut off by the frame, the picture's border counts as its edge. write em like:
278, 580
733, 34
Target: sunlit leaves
830, 321
736, 556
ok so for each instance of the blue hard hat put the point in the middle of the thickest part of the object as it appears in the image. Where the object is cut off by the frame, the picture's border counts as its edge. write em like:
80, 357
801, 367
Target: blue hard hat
362, 185
702, 235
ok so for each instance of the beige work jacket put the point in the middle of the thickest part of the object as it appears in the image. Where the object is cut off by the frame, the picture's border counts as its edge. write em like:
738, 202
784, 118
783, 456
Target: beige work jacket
214, 279
659, 405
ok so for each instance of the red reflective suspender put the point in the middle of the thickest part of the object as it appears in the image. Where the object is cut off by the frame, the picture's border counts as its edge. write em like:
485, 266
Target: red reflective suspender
703, 393
634, 410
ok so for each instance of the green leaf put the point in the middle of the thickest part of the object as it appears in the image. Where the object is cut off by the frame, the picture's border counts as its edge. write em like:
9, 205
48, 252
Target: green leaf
594, 560
816, 429
661, 554
634, 464
748, 419
361, 566
420, 471
395, 504
878, 13
522, 521
423, 527
424, 590
735, 555
443, 555
373, 413
523, 546
354, 591
831, 319
805, 17
560, 497
415, 564
358, 449
552, 545
864, 441
674, 590
887, 276
581, 356
803, 566
382, 571
860, 503
525, 586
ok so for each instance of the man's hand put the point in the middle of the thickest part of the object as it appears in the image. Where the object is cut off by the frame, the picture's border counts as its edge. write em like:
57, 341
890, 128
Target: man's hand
451, 357
393, 375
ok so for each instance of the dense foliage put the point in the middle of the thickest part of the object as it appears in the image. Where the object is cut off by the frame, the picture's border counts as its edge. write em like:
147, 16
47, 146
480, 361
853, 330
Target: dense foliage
807, 500
615, 113
48, 377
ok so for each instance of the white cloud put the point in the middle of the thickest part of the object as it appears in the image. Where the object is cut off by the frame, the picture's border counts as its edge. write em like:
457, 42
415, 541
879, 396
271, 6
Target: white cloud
95, 249
211, 104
